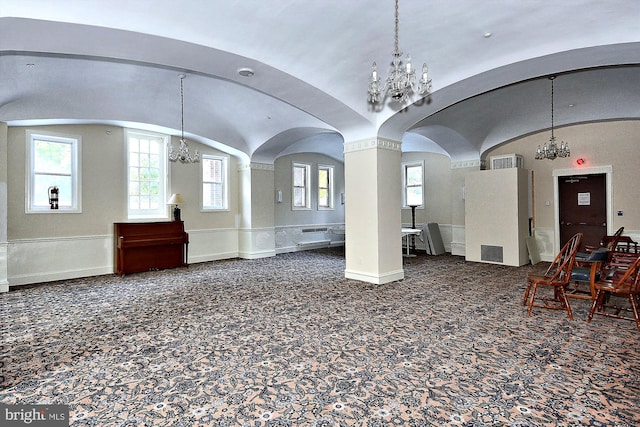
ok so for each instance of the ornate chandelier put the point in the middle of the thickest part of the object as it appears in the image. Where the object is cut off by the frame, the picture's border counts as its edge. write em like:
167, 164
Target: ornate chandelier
552, 150
183, 152
401, 82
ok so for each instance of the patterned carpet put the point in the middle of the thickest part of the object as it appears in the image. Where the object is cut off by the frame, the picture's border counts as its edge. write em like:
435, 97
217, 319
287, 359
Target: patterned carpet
288, 341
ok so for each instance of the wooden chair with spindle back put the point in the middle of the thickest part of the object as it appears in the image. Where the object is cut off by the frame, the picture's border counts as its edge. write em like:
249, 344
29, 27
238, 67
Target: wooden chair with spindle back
557, 276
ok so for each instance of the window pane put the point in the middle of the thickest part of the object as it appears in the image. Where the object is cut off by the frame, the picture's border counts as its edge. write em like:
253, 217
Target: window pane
299, 197
323, 178
52, 157
134, 144
414, 196
323, 197
134, 188
212, 170
154, 148
212, 196
298, 176
207, 195
154, 202
414, 175
207, 169
44, 182
134, 159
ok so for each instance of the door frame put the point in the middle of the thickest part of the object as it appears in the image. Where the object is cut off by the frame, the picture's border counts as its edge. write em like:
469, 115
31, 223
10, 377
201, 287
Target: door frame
557, 173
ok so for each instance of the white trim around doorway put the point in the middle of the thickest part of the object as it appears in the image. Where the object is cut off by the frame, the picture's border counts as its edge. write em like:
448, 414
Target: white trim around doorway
607, 170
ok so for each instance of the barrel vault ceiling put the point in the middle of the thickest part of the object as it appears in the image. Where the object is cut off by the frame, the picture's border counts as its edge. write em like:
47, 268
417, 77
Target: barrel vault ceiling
117, 63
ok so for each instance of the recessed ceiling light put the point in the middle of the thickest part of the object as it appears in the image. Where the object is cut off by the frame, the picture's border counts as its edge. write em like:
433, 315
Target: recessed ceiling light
246, 72
487, 34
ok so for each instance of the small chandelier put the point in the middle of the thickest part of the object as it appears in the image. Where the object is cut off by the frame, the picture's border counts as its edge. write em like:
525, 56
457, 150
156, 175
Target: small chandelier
183, 152
401, 82
552, 151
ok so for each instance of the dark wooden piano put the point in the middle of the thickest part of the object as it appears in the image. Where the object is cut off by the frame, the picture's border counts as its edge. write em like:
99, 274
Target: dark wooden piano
144, 246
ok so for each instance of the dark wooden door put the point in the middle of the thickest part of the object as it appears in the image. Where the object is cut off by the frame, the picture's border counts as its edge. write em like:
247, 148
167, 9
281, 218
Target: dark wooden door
583, 207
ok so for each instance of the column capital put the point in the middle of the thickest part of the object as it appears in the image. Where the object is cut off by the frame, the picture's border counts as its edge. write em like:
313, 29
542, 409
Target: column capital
371, 143
256, 166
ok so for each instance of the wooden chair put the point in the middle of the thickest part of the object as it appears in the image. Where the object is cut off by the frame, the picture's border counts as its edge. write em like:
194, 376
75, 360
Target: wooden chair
586, 271
609, 242
621, 282
557, 276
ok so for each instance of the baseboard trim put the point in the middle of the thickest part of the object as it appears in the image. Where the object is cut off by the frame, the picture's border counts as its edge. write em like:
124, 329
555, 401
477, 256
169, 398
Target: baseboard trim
257, 254
212, 257
53, 276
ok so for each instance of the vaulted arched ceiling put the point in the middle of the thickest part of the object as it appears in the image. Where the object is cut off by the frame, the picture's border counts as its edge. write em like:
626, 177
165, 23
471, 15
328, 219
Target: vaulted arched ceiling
117, 62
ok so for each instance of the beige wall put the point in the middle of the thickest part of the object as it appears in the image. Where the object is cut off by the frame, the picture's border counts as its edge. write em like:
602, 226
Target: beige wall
615, 144
438, 189
214, 235
284, 215
103, 187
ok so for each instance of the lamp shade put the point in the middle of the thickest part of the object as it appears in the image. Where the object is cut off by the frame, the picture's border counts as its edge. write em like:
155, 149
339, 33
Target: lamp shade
175, 199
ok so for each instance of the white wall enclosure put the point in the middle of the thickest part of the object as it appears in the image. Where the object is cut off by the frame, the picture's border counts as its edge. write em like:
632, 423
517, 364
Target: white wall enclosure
497, 216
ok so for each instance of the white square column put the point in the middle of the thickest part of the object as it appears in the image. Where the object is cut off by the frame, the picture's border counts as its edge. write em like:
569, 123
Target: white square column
373, 193
256, 221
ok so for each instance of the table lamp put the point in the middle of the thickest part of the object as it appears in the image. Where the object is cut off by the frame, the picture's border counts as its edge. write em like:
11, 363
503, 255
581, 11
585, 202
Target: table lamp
176, 199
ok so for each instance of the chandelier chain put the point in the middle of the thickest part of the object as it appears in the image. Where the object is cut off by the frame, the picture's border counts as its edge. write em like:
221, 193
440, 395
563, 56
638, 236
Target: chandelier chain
397, 48
183, 154
182, 106
400, 84
552, 104
551, 151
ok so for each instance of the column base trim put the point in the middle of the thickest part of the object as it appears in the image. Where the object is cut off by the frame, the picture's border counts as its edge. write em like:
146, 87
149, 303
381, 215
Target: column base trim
379, 279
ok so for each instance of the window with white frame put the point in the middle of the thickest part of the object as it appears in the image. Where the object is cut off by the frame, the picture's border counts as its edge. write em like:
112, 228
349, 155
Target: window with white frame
413, 184
214, 183
325, 187
301, 195
53, 164
146, 175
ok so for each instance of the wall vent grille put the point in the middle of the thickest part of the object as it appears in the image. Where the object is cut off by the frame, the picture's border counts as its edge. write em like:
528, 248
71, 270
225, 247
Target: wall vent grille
314, 230
507, 161
491, 253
